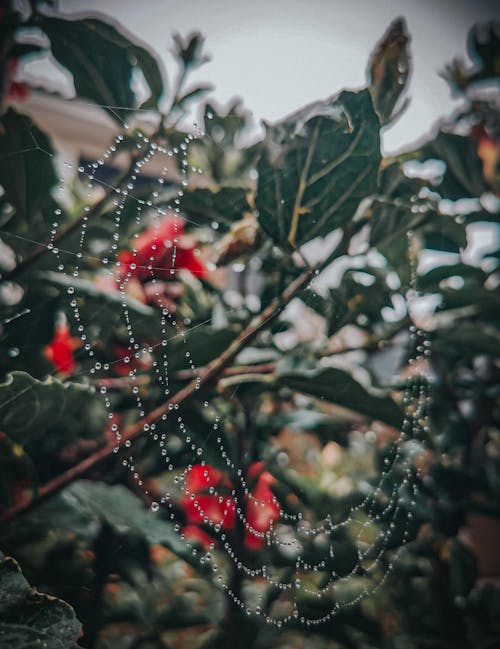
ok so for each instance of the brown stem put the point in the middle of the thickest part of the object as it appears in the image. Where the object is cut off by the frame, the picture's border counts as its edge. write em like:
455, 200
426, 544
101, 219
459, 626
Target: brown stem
183, 375
373, 343
208, 374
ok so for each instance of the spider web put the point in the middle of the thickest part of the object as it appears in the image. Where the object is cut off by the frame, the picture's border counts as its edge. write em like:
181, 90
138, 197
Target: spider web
364, 519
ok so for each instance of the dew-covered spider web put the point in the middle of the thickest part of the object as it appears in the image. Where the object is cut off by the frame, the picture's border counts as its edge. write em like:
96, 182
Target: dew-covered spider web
370, 523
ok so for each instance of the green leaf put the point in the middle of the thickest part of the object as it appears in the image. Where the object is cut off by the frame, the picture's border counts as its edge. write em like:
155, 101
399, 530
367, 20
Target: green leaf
90, 290
19, 50
431, 280
30, 408
26, 170
224, 206
390, 211
203, 343
339, 387
82, 506
316, 167
102, 61
465, 340
352, 302
190, 49
389, 70
463, 177
483, 48
103, 307
148, 65
30, 619
462, 569
444, 233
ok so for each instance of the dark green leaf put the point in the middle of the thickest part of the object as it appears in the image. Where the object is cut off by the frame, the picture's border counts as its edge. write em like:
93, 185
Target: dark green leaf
189, 49
102, 61
391, 215
29, 619
317, 165
464, 170
94, 501
223, 207
462, 569
337, 386
26, 170
203, 343
483, 46
29, 408
432, 278
19, 50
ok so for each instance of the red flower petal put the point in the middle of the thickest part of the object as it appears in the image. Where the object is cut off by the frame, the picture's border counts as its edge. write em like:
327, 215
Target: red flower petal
60, 351
200, 477
196, 534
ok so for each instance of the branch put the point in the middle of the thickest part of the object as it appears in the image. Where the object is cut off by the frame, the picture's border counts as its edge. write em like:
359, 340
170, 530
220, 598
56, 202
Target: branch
126, 382
207, 374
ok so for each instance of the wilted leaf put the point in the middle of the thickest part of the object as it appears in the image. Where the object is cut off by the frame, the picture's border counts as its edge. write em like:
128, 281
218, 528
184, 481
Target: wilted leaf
389, 69
243, 238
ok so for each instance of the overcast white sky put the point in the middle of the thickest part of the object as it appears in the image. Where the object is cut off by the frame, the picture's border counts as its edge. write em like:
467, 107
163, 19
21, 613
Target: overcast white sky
280, 54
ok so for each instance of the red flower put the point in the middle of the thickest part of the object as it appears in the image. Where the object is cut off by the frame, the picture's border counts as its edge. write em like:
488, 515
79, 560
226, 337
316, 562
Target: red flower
262, 508
195, 533
60, 351
126, 361
15, 89
165, 248
201, 504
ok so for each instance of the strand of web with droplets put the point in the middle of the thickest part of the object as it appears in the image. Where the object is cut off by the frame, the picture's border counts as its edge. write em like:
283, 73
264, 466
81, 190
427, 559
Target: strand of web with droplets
365, 554
117, 226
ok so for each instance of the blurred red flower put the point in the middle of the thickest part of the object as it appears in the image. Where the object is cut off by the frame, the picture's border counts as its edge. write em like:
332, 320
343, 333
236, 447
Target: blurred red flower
15, 89
166, 249
201, 504
126, 361
60, 350
262, 508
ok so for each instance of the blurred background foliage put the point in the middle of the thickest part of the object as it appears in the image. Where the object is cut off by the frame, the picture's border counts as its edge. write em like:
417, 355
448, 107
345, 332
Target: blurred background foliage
317, 397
